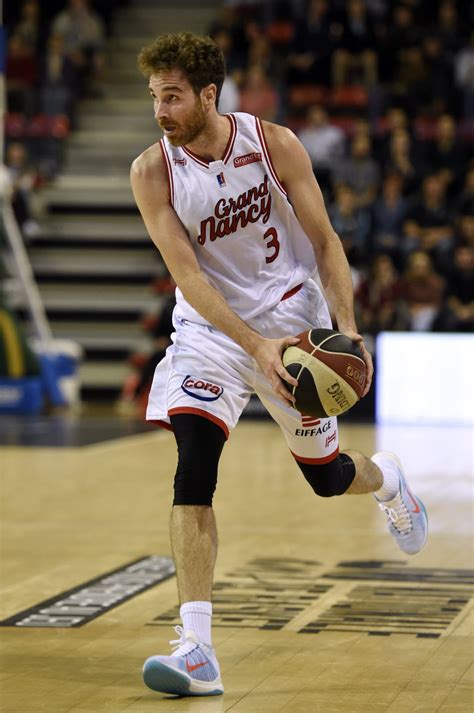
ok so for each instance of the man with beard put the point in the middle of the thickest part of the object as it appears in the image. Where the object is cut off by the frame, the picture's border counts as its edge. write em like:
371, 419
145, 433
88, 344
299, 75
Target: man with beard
232, 204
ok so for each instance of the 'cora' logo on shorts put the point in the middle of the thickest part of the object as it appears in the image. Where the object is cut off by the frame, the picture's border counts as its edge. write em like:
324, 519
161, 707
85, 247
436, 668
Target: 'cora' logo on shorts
201, 389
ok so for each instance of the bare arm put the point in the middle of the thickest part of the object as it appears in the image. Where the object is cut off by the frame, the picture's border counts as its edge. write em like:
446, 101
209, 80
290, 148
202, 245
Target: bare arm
151, 192
297, 175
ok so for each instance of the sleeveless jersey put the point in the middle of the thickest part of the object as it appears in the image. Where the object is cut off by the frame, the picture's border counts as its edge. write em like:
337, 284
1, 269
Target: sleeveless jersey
241, 224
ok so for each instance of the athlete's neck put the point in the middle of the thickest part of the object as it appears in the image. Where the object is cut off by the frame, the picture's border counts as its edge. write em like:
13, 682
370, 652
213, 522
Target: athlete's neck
212, 141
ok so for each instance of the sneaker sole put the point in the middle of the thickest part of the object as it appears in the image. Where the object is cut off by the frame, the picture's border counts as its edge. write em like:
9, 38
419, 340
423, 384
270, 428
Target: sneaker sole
165, 679
394, 457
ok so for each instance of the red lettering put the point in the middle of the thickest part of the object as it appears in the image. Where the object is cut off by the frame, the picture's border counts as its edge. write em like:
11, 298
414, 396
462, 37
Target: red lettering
273, 243
232, 213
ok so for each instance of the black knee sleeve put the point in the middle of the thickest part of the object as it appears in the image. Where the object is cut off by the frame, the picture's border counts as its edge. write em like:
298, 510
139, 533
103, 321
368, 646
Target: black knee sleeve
332, 478
200, 443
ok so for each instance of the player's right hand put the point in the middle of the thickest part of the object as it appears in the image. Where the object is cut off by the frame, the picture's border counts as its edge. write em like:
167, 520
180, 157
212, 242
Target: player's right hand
267, 353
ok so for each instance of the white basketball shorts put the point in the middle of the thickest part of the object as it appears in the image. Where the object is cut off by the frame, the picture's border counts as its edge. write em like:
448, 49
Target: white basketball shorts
206, 373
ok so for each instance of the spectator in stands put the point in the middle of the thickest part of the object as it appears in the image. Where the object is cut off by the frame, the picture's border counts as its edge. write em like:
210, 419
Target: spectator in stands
423, 81
411, 77
309, 60
396, 118
377, 299
28, 27
465, 231
134, 395
229, 97
352, 223
465, 201
58, 79
241, 27
359, 171
260, 55
464, 75
400, 158
258, 95
222, 36
24, 179
421, 292
447, 156
458, 314
429, 224
83, 33
280, 31
21, 76
449, 29
323, 142
389, 213
160, 328
356, 57
361, 127
436, 95
402, 34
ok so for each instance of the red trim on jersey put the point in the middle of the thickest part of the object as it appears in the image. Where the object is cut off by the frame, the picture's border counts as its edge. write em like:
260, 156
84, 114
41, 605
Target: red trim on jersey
291, 292
227, 151
195, 157
230, 144
163, 424
200, 412
170, 172
268, 158
316, 461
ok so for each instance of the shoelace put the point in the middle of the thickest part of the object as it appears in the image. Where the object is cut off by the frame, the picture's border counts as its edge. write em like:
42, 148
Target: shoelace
183, 645
398, 515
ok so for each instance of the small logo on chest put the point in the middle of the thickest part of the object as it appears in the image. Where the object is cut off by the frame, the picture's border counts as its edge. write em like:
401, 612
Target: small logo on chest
179, 161
221, 179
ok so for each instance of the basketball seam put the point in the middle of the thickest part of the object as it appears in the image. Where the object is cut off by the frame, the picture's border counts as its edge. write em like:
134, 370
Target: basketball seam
326, 339
297, 377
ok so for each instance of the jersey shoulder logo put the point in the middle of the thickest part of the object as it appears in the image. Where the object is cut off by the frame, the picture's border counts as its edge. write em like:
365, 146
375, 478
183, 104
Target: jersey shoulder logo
247, 158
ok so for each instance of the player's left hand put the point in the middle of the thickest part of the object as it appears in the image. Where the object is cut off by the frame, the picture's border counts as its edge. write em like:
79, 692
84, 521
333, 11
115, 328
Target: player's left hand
367, 357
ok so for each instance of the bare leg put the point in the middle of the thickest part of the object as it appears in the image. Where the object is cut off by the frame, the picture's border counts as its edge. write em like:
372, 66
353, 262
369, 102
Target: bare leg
368, 475
194, 543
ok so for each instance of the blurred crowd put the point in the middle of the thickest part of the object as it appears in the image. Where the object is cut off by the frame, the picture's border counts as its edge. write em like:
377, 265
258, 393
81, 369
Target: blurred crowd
55, 58
381, 94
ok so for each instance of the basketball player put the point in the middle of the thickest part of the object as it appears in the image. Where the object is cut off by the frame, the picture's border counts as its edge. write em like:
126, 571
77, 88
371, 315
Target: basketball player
232, 205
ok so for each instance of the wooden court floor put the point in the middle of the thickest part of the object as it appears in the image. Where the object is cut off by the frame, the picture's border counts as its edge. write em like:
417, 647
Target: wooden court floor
317, 611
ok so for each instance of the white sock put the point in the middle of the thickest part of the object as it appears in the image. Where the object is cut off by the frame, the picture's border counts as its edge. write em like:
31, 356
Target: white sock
390, 485
197, 617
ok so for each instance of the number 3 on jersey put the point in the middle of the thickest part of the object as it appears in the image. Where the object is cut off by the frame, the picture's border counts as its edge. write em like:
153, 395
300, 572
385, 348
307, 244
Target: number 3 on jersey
272, 244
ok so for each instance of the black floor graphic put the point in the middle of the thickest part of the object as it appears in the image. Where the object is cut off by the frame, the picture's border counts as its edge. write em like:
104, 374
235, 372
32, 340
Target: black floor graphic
89, 600
393, 598
264, 594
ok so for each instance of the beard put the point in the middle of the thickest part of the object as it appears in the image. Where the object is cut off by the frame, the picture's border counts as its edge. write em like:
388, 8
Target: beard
185, 134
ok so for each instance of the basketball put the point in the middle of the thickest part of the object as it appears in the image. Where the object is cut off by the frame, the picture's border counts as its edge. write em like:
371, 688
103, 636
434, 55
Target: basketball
330, 370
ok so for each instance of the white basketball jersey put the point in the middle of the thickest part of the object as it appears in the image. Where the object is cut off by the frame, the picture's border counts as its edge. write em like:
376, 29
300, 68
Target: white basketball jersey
241, 224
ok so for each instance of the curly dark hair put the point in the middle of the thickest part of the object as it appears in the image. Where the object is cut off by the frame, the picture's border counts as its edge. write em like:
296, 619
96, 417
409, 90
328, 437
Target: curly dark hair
199, 58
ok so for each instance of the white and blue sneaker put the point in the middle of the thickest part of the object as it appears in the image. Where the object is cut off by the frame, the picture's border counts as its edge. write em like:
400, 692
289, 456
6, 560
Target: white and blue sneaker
191, 670
406, 514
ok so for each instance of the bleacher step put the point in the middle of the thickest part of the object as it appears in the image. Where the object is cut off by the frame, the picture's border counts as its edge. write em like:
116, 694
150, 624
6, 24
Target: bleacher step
108, 227
142, 262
